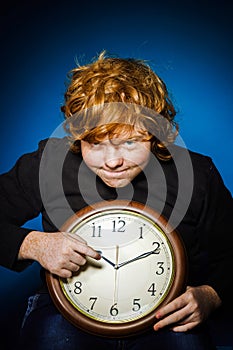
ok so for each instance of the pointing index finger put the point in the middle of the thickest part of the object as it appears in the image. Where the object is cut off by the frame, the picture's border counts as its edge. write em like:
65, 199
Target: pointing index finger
83, 248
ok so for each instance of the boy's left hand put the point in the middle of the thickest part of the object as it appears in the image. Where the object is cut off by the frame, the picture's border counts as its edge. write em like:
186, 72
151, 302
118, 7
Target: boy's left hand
188, 310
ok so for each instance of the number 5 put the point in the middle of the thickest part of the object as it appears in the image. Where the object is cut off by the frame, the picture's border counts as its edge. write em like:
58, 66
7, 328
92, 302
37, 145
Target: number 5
136, 305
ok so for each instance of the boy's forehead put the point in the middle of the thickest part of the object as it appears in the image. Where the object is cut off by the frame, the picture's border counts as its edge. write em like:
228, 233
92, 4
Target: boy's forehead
115, 138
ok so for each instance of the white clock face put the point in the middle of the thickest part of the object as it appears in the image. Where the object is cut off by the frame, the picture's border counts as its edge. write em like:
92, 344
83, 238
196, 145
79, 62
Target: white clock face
134, 275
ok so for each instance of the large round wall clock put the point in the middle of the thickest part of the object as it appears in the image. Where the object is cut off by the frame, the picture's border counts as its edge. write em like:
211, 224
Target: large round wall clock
143, 267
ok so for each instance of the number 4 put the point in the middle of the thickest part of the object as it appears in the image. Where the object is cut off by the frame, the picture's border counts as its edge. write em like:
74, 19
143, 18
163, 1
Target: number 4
152, 289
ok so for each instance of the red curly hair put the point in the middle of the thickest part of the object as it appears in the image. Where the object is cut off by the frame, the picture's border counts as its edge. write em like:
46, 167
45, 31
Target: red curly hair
111, 81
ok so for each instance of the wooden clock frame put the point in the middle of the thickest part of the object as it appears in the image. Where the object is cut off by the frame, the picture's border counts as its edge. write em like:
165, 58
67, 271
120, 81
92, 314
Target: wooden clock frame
114, 330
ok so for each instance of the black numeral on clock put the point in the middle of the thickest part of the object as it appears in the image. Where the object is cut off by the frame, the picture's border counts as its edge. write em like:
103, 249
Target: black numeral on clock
93, 300
160, 270
78, 289
140, 232
157, 248
96, 231
152, 289
118, 226
114, 310
136, 305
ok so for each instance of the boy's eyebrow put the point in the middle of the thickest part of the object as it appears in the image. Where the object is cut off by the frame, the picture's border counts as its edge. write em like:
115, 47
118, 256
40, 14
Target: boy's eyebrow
119, 140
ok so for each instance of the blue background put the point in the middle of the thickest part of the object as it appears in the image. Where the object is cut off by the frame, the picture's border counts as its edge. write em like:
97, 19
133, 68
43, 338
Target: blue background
188, 43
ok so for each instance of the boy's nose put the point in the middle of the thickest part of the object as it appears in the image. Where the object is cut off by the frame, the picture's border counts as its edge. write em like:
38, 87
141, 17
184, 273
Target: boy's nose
113, 157
114, 162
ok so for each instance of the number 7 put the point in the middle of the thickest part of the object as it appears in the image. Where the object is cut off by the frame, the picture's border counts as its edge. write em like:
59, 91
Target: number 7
94, 301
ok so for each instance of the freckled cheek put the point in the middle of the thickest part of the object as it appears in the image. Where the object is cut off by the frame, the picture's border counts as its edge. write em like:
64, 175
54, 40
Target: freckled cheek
138, 158
93, 160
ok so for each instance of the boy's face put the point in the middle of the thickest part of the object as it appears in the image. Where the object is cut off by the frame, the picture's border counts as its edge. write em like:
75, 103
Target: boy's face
117, 161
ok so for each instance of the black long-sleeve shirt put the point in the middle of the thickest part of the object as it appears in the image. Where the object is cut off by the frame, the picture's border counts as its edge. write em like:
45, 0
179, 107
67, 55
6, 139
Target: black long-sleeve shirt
55, 182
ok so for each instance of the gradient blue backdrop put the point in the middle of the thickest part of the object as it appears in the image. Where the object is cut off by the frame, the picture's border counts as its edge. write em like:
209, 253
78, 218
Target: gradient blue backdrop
188, 43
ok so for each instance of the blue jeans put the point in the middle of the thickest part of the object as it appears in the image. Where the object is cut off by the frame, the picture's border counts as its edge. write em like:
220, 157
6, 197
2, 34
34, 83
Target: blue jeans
44, 328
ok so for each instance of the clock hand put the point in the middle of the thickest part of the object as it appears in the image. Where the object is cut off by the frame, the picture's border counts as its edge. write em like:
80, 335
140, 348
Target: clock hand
115, 279
108, 261
116, 268
142, 256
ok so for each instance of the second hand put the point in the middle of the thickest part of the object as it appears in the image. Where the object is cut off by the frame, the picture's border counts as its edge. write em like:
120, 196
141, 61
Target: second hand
116, 275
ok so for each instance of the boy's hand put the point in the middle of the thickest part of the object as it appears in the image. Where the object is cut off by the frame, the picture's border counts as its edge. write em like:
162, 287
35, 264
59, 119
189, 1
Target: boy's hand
57, 252
188, 310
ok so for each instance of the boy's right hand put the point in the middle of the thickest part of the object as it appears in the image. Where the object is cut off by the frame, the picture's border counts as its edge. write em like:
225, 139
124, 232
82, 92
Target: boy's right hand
57, 252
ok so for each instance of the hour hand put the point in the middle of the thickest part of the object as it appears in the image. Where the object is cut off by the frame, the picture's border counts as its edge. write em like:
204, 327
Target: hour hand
107, 260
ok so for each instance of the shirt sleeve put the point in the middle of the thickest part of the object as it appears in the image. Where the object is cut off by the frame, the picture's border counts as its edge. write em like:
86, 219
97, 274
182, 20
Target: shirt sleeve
219, 237
20, 202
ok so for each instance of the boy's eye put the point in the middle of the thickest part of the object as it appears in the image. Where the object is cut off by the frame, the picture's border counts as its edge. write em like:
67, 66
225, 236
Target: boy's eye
129, 142
95, 144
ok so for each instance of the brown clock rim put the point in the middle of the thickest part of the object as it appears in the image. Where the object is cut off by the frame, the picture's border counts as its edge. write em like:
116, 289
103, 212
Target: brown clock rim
136, 326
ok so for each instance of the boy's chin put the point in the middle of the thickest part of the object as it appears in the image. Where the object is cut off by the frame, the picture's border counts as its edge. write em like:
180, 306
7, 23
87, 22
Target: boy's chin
116, 183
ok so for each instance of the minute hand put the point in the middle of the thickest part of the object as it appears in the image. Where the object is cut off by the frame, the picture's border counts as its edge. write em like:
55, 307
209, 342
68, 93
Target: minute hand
141, 256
